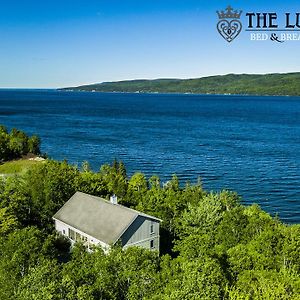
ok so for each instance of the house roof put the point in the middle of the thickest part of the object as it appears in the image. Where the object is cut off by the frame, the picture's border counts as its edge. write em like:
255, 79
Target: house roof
98, 217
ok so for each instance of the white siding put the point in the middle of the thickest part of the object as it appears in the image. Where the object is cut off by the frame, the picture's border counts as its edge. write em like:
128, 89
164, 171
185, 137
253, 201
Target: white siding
63, 229
143, 232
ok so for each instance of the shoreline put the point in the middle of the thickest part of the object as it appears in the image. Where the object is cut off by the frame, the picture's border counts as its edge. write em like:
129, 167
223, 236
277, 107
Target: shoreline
174, 93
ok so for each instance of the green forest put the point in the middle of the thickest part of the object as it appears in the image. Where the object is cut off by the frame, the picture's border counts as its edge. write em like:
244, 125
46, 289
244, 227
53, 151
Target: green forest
16, 144
212, 246
239, 84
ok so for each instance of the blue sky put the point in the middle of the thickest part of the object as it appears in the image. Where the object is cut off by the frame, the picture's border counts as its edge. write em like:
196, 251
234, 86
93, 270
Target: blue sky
64, 43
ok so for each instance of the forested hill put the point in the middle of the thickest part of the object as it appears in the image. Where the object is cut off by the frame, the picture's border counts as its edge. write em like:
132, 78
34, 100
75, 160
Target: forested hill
269, 84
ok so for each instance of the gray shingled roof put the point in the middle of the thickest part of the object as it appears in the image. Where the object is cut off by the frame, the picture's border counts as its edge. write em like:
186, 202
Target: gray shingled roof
98, 217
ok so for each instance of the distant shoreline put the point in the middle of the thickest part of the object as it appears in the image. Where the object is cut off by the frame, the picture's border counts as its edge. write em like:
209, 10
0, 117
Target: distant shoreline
140, 93
232, 84
174, 93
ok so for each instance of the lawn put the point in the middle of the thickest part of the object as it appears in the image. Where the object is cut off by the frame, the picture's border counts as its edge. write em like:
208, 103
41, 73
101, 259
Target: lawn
17, 166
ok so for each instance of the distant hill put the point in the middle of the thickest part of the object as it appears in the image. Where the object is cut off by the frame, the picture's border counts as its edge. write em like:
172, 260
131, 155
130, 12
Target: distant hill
268, 84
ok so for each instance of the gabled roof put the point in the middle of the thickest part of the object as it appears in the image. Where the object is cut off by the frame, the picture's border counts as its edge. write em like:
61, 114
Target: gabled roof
98, 217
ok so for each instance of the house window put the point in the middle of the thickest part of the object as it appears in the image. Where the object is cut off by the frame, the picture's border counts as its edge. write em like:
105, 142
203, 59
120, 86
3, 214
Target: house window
71, 234
151, 228
64, 232
78, 237
151, 244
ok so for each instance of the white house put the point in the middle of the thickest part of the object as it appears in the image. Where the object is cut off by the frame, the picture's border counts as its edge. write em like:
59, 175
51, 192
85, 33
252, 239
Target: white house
96, 221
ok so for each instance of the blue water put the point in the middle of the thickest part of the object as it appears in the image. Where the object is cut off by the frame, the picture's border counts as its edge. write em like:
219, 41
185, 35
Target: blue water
243, 143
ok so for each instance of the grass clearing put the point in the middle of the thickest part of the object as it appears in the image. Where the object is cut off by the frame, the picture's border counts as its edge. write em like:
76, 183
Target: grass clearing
17, 166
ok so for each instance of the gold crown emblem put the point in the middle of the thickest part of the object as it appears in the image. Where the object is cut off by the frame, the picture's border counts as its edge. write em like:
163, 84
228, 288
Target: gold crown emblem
229, 13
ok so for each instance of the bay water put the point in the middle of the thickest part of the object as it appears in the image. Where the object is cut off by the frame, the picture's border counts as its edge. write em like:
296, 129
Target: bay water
249, 144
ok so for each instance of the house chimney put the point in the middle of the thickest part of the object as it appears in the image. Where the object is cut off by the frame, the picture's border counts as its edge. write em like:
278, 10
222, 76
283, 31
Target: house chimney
114, 199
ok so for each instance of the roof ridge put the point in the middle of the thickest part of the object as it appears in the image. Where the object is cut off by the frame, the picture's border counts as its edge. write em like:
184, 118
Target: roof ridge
120, 206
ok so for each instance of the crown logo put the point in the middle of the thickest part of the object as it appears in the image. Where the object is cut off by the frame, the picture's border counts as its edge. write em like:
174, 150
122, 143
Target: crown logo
229, 25
229, 13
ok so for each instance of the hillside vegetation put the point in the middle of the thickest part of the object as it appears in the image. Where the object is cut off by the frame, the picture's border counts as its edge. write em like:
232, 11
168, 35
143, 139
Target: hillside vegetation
269, 84
212, 246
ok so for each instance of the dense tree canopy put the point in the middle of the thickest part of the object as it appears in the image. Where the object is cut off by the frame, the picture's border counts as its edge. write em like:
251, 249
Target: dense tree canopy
16, 144
213, 247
